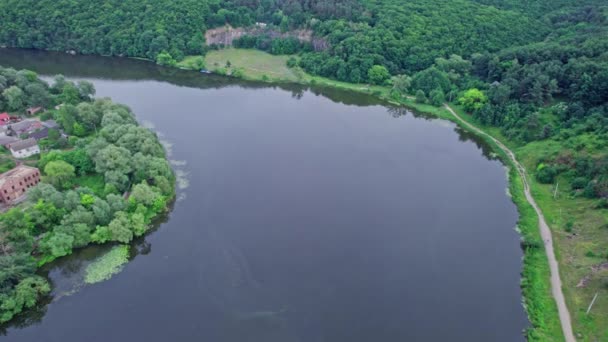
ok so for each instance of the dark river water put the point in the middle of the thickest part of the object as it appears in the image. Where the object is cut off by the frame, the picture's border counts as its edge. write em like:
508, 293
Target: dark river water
307, 215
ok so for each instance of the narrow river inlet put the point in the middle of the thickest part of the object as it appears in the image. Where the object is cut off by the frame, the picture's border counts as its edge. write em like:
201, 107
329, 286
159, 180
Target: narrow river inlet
303, 215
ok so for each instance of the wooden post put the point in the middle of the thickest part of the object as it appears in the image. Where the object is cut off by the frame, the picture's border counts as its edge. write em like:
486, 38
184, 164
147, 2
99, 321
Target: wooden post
555, 192
592, 301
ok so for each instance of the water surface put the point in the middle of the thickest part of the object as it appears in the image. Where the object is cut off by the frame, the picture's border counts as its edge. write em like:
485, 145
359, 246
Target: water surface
307, 215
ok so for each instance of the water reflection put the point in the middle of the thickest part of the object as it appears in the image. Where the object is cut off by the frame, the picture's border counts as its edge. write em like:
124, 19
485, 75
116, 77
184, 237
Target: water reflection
114, 68
304, 222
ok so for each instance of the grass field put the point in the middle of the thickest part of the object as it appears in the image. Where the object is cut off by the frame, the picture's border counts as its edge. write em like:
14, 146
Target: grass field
253, 64
94, 182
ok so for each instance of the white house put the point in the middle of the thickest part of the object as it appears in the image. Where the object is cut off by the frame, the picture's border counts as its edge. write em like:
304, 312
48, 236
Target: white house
24, 148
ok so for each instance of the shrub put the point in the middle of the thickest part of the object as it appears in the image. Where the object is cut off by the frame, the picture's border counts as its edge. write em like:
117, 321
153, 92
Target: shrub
420, 96
545, 173
378, 74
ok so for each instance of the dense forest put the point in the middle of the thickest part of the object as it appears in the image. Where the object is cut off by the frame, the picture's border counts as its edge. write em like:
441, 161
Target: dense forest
80, 200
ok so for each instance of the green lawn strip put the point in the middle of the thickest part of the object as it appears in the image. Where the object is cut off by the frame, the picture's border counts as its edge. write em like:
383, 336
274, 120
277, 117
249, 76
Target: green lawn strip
249, 64
95, 182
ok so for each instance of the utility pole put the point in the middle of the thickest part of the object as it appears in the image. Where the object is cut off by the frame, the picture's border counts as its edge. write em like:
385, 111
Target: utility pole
592, 301
555, 192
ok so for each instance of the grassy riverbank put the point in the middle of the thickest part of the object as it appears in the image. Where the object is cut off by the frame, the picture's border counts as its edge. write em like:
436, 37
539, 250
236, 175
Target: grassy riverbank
577, 225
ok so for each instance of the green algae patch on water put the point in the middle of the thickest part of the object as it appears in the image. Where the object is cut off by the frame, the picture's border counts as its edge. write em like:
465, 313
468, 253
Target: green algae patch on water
107, 265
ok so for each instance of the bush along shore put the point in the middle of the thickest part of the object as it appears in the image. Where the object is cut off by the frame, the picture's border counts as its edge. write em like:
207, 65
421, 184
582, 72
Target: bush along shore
104, 179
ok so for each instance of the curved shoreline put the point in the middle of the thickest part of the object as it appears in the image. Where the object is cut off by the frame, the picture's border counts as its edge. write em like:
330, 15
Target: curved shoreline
381, 93
545, 231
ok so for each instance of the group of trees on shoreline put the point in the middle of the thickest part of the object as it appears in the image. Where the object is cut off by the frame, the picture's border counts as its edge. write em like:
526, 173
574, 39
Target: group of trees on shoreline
110, 153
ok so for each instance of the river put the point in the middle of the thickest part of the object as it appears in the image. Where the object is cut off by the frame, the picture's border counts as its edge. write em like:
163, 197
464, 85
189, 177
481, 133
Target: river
308, 215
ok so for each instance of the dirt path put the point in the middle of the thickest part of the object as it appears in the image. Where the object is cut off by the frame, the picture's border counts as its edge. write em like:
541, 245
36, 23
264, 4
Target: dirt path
545, 232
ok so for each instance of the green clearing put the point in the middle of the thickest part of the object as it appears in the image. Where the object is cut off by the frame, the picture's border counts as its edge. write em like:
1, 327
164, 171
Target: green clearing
6, 164
250, 64
94, 182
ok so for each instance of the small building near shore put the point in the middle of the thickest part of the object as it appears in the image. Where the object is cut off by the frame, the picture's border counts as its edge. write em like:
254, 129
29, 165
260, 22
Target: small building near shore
4, 119
24, 148
6, 140
50, 124
40, 134
14, 183
23, 127
34, 110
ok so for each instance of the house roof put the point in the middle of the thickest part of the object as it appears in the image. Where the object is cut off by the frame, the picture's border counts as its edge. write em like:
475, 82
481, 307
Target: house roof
50, 124
6, 139
26, 126
4, 118
19, 172
40, 134
23, 144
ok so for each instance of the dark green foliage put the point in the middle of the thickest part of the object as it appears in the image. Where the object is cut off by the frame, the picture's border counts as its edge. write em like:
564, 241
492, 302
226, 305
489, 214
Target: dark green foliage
431, 79
437, 97
420, 96
276, 46
126, 27
408, 36
22, 89
546, 174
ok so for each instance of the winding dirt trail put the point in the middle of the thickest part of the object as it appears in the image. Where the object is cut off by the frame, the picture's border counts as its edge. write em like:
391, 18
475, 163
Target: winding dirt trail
545, 232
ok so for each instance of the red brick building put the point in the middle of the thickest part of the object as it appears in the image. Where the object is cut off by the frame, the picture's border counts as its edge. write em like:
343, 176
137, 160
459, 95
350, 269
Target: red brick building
14, 183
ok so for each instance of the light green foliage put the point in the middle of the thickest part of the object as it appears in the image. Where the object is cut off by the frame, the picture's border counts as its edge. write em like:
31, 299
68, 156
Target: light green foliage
165, 58
79, 130
107, 265
378, 74
253, 63
473, 100
102, 234
59, 244
192, 63
59, 173
24, 295
138, 222
143, 194
87, 200
121, 228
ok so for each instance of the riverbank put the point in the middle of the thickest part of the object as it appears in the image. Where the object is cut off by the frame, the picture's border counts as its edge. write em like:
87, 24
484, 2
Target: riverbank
536, 275
104, 178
